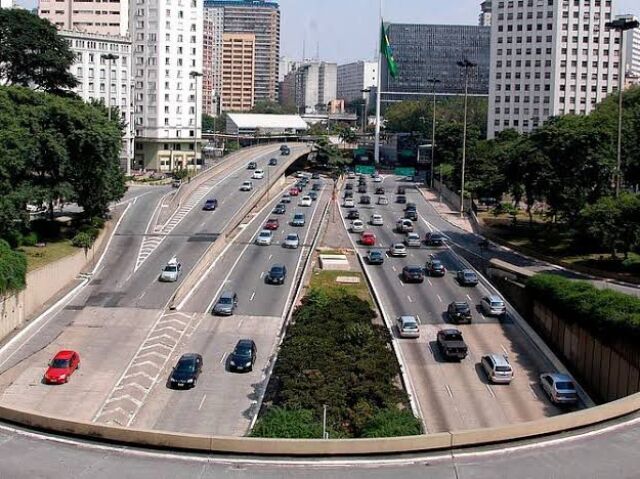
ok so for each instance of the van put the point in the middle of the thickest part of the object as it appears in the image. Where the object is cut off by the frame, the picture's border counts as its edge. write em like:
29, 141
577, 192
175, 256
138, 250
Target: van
497, 368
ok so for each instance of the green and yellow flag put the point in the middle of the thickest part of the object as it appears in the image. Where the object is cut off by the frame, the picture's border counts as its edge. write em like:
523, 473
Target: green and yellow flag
387, 51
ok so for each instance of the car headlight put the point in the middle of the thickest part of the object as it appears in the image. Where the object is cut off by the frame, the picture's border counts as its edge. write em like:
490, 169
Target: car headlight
248, 364
174, 380
189, 381
233, 363
62, 376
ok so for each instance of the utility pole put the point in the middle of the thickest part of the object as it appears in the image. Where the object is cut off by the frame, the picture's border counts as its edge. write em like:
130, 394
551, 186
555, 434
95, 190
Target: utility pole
195, 76
467, 65
433, 82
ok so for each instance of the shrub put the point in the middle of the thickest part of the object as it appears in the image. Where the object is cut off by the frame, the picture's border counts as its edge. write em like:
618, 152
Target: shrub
392, 423
13, 269
288, 424
30, 239
97, 222
14, 238
46, 229
83, 240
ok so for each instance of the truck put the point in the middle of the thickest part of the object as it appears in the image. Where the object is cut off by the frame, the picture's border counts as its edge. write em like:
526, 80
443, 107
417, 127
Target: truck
452, 345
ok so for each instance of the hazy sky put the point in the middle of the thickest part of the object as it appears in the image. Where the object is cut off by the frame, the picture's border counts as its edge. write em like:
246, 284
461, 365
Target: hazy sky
347, 30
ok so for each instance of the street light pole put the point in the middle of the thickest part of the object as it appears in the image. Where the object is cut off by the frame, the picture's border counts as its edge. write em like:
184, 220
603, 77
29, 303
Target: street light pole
195, 76
467, 65
433, 81
621, 24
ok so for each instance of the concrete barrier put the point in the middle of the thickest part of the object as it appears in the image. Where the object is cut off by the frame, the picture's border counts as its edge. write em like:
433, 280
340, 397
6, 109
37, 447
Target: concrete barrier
334, 262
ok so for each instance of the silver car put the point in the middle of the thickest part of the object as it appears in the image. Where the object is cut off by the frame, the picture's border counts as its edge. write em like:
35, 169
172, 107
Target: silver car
292, 241
382, 200
413, 240
264, 238
497, 368
560, 388
226, 304
376, 220
398, 250
171, 272
493, 305
408, 327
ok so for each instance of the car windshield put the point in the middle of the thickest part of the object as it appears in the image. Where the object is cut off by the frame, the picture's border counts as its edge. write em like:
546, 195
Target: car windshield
242, 351
186, 367
410, 325
375, 254
436, 264
264, 234
565, 386
414, 270
60, 363
497, 304
171, 269
225, 301
299, 217
453, 337
276, 271
469, 275
210, 202
292, 238
462, 307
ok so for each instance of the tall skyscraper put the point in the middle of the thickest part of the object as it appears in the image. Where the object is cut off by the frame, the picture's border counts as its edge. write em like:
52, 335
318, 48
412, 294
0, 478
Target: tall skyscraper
427, 51
485, 15
549, 58
167, 41
213, 25
355, 77
238, 71
91, 16
262, 19
632, 53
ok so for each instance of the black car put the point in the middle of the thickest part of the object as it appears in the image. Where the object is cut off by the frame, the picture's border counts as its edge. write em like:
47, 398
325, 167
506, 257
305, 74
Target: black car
353, 215
284, 150
380, 190
413, 274
348, 194
210, 205
411, 214
459, 312
365, 200
313, 195
252, 165
410, 206
280, 209
362, 189
186, 372
277, 274
316, 186
243, 356
348, 186
401, 199
315, 176
273, 162
467, 277
401, 190
434, 239
434, 267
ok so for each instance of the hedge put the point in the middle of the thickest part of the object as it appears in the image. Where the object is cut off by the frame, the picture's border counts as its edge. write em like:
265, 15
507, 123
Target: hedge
13, 269
605, 313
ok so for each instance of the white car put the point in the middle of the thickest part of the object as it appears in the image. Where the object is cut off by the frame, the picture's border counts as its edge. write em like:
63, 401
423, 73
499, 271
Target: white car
377, 179
413, 240
264, 238
349, 203
246, 186
382, 200
376, 220
292, 241
171, 272
408, 327
398, 250
357, 226
258, 175
306, 201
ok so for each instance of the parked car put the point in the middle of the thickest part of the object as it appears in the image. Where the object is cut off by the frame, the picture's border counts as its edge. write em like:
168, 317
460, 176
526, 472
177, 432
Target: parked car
357, 226
434, 239
451, 344
497, 368
243, 356
61, 367
186, 372
306, 201
273, 162
277, 274
365, 200
353, 215
210, 205
298, 220
375, 257
280, 209
404, 225
493, 305
171, 272
349, 203
383, 200
226, 304
412, 274
408, 327
413, 240
252, 165
264, 238
467, 277
398, 250
368, 239
434, 267
559, 387
247, 186
292, 241
459, 312
376, 220
258, 175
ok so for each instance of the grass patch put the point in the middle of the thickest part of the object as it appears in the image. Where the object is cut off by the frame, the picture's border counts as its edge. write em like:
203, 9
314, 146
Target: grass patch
326, 281
54, 251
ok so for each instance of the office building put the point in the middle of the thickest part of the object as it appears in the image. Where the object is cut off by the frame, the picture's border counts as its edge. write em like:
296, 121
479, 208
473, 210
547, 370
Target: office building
6, 4
91, 16
485, 14
311, 87
632, 53
108, 81
167, 52
213, 25
549, 58
428, 51
287, 65
355, 77
238, 71
262, 19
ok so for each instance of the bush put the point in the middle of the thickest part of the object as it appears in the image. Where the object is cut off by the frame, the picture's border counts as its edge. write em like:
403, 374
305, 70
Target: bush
605, 313
97, 222
14, 238
392, 423
288, 424
83, 240
46, 229
13, 269
30, 239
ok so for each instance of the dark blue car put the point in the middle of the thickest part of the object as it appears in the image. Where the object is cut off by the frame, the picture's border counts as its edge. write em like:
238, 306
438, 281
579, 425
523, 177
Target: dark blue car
210, 205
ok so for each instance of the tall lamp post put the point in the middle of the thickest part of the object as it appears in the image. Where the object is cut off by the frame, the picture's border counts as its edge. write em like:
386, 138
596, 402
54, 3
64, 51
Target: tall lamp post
110, 57
621, 24
467, 65
365, 117
195, 76
434, 81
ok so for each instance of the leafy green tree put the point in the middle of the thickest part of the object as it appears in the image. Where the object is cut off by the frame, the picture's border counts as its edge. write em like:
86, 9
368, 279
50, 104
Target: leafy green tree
217, 125
392, 423
286, 423
347, 135
32, 54
13, 269
272, 107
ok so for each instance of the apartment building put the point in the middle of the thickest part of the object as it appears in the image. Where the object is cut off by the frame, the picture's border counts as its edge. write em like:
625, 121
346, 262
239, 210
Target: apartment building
485, 14
105, 80
311, 87
632, 53
238, 71
262, 19
355, 77
549, 57
91, 16
167, 65
213, 25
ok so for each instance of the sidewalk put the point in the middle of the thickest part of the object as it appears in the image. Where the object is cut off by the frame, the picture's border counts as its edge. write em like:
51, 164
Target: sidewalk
446, 212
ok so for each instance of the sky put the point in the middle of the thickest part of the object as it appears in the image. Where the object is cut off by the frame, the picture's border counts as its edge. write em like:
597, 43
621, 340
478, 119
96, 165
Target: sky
347, 30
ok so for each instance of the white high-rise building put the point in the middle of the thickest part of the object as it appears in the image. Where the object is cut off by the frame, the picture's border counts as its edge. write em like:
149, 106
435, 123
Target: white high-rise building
355, 77
549, 57
167, 49
213, 28
632, 52
6, 3
484, 20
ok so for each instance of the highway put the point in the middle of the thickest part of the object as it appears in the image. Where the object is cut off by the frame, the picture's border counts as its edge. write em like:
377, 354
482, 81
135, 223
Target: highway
107, 320
450, 396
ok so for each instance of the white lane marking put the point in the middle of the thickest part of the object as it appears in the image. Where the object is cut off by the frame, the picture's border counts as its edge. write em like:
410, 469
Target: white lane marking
449, 391
202, 402
490, 390
262, 274
469, 298
224, 356
410, 299
270, 256
430, 283
253, 295
505, 350
401, 283
418, 318
394, 268
439, 298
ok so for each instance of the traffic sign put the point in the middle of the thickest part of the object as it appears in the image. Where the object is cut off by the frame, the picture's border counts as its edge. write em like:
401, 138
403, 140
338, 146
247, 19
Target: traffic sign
405, 171
365, 169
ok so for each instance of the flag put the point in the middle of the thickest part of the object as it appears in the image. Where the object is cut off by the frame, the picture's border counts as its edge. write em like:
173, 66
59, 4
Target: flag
387, 52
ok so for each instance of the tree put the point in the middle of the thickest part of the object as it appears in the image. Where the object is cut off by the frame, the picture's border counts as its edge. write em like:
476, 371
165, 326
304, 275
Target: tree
13, 269
217, 125
272, 107
32, 54
347, 135
283, 423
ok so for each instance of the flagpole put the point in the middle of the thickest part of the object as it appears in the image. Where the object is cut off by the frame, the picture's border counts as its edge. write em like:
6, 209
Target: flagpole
378, 92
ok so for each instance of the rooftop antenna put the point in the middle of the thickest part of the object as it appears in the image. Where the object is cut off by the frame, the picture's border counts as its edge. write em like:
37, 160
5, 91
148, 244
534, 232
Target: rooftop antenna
318, 50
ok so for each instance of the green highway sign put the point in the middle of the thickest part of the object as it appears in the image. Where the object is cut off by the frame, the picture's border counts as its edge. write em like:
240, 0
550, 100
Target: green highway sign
365, 169
405, 171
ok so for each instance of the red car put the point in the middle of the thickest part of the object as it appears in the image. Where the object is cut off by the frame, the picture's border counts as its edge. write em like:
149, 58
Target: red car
294, 191
61, 367
368, 239
272, 224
